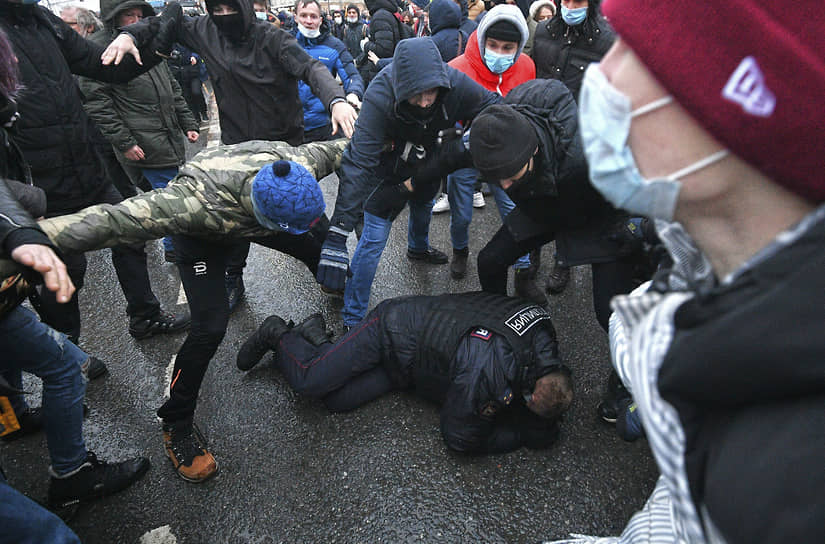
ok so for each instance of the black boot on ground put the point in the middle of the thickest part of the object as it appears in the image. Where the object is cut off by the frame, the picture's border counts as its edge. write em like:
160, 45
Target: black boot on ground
613, 400
261, 341
162, 322
235, 290
94, 480
557, 278
458, 266
313, 329
526, 287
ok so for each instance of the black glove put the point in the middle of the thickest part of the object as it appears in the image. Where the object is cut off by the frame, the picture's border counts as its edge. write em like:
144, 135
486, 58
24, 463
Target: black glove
167, 34
387, 201
449, 155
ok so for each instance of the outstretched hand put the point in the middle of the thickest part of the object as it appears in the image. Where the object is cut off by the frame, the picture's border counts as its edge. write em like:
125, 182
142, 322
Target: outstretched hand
343, 117
121, 46
42, 259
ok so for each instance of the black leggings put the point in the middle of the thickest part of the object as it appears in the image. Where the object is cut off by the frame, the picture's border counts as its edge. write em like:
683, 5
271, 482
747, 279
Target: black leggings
202, 265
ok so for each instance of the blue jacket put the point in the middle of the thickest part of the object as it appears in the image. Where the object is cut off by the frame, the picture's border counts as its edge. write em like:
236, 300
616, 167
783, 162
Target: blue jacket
445, 19
385, 126
333, 54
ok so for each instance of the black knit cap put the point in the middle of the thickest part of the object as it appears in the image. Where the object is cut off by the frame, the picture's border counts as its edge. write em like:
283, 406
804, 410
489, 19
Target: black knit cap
504, 31
501, 142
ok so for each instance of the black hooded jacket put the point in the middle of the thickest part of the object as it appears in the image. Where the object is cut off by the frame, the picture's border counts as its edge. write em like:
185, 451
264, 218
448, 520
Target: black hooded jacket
563, 52
256, 78
54, 131
384, 34
559, 199
374, 156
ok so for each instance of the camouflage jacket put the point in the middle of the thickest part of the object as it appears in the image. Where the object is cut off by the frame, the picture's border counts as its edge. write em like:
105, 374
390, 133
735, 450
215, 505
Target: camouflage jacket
210, 197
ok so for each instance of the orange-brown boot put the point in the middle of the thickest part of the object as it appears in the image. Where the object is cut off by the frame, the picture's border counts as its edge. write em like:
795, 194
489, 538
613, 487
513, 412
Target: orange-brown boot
186, 448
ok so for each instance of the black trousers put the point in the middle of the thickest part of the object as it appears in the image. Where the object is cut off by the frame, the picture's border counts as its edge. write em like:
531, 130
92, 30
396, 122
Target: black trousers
609, 279
202, 264
130, 265
343, 375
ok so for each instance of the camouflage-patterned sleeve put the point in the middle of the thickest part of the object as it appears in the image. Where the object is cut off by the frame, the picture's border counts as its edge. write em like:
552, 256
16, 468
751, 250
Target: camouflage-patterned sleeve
320, 158
152, 215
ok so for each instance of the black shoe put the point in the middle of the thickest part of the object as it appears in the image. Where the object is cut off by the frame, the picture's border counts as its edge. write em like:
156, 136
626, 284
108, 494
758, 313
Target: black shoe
169, 256
96, 368
94, 480
235, 290
431, 256
314, 329
261, 341
526, 287
186, 447
331, 292
557, 279
161, 323
614, 396
458, 267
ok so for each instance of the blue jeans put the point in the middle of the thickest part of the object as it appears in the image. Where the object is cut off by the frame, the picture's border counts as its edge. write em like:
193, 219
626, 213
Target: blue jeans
460, 189
158, 178
368, 252
26, 522
27, 344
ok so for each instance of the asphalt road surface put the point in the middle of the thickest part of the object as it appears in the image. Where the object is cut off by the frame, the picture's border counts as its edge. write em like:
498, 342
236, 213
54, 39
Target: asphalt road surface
291, 471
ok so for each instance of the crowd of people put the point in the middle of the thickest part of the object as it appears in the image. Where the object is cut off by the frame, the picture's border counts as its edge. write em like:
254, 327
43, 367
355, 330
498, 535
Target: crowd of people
673, 148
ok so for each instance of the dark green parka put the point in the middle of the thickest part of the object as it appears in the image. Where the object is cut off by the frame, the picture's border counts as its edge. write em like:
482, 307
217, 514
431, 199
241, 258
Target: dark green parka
148, 111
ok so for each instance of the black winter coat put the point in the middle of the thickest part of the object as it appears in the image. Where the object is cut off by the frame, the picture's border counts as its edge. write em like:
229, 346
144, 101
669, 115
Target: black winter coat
445, 19
53, 129
384, 126
563, 52
384, 34
256, 79
559, 198
479, 388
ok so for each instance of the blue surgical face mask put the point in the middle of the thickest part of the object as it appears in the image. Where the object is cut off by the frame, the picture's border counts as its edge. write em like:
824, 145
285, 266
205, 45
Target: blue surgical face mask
498, 63
604, 122
261, 15
574, 16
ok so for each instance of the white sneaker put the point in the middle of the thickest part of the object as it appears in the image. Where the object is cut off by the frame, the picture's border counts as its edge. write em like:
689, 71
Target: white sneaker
442, 204
478, 200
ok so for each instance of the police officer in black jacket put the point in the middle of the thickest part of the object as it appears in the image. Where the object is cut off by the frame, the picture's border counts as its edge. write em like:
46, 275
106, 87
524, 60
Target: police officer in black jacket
491, 361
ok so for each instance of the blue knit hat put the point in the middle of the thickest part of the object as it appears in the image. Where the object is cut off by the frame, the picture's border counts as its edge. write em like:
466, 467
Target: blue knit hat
286, 196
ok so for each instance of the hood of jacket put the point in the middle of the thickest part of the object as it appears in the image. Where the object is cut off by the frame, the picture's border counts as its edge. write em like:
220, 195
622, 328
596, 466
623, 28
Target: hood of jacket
375, 5
444, 14
245, 8
111, 9
416, 67
550, 108
502, 12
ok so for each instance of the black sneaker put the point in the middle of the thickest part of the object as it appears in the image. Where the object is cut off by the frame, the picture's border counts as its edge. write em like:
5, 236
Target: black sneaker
261, 341
235, 290
169, 256
431, 256
95, 368
161, 323
458, 267
186, 447
613, 400
314, 329
94, 480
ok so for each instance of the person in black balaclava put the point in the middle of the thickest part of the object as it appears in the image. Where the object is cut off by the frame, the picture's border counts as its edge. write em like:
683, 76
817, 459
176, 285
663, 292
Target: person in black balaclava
255, 69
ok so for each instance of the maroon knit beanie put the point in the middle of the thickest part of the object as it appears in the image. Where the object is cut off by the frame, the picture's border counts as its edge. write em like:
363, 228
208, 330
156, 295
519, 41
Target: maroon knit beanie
752, 74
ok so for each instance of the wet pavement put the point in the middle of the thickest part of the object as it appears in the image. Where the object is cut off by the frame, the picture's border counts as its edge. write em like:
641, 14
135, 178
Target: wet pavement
291, 471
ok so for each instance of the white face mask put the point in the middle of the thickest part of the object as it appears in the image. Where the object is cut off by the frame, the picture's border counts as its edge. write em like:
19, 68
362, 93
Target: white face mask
353, 19
260, 15
307, 33
604, 121
337, 20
